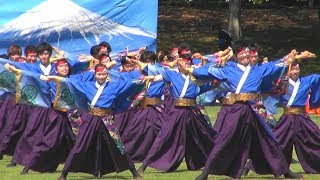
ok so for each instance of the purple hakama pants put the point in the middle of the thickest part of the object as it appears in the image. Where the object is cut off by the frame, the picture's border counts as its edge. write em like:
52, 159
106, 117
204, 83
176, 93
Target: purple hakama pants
241, 137
302, 133
144, 127
185, 134
13, 120
46, 141
98, 149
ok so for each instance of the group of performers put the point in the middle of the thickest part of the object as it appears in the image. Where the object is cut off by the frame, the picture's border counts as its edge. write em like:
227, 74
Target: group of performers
142, 107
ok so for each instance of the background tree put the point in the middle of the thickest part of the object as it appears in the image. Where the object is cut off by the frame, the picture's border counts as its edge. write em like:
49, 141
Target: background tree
234, 19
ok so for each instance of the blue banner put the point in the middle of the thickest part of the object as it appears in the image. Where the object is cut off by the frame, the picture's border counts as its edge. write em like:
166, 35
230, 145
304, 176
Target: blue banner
7, 80
76, 25
68, 98
31, 90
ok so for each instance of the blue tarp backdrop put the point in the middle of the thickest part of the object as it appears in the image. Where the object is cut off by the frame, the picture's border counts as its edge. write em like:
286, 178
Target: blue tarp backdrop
76, 25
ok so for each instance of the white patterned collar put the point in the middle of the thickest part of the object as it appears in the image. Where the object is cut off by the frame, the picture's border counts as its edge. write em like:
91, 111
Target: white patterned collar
242, 67
294, 92
45, 70
292, 82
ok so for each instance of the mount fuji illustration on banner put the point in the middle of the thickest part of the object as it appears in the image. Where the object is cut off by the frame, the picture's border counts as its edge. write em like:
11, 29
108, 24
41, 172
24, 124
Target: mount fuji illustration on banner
75, 26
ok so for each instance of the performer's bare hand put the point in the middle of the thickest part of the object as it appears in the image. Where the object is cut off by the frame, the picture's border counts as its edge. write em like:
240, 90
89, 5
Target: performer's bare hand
158, 78
111, 64
10, 67
140, 50
44, 78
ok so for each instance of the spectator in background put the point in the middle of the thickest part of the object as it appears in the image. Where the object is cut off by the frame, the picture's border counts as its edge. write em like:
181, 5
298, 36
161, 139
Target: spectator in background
225, 38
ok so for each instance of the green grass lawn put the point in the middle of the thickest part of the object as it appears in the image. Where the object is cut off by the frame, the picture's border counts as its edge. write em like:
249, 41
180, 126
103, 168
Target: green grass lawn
182, 172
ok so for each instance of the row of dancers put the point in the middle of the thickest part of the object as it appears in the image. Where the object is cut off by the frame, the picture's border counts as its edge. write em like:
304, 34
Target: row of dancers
161, 123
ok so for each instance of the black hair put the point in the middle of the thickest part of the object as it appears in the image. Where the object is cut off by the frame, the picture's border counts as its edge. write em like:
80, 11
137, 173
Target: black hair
186, 56
94, 51
124, 61
44, 46
148, 56
30, 48
164, 54
239, 44
253, 47
183, 46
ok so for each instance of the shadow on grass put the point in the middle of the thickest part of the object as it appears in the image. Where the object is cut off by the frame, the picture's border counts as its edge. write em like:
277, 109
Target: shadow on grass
176, 171
261, 177
103, 177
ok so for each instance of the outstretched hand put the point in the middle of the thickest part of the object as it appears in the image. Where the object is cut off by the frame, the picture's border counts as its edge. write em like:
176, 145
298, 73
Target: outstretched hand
111, 64
158, 78
305, 55
222, 53
221, 61
291, 56
44, 78
48, 78
10, 67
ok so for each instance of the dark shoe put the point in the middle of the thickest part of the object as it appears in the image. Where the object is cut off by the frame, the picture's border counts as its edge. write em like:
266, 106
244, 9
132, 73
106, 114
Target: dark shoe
292, 175
24, 171
245, 171
203, 176
12, 164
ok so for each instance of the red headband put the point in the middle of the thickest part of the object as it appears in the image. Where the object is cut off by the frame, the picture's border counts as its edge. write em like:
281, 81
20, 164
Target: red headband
241, 49
60, 62
100, 69
253, 53
174, 49
185, 51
